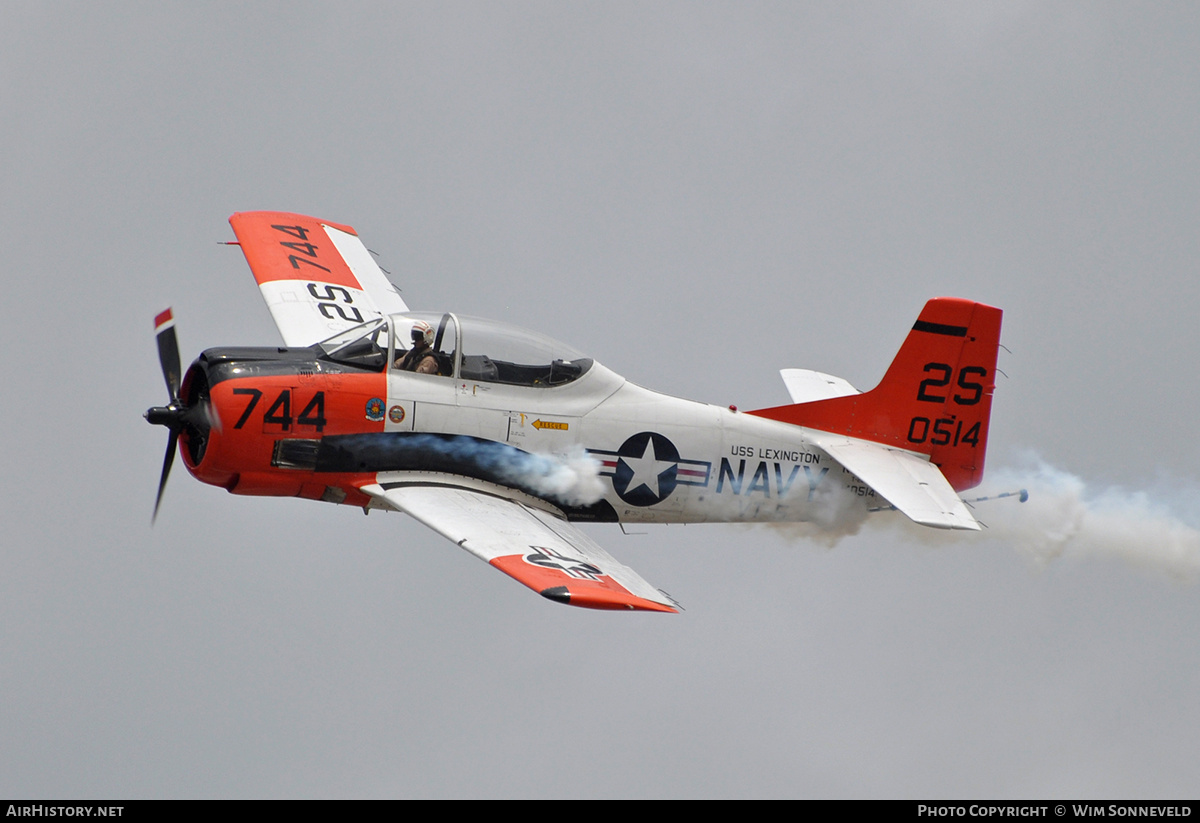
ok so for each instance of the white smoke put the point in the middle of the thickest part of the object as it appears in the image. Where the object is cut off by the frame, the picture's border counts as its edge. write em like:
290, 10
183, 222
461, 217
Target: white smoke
1064, 518
837, 513
573, 478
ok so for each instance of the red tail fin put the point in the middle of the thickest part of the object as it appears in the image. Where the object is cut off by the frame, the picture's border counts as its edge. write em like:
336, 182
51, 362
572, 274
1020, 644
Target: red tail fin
936, 397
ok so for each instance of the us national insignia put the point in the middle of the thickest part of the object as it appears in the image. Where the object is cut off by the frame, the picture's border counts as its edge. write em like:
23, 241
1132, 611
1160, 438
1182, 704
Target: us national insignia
647, 468
375, 410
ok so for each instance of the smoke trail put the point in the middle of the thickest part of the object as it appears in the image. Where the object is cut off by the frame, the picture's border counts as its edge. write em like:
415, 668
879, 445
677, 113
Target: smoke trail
1063, 518
573, 478
837, 513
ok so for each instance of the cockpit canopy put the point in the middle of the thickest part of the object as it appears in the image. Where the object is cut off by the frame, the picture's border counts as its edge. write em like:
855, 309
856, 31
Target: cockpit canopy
466, 348
364, 346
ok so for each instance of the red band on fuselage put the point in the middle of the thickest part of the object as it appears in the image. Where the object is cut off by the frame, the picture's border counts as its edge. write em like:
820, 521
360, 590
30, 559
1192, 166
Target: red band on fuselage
255, 413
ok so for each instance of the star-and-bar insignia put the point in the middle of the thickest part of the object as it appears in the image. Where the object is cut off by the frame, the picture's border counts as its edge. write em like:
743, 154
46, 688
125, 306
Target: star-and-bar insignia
549, 559
647, 467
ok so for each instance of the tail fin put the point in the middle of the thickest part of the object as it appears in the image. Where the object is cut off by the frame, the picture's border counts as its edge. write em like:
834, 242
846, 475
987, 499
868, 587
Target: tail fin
936, 397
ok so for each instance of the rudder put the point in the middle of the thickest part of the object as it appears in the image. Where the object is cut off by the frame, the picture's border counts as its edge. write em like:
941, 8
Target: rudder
935, 398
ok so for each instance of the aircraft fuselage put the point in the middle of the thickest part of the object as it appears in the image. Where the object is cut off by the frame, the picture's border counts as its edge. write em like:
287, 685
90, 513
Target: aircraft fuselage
294, 424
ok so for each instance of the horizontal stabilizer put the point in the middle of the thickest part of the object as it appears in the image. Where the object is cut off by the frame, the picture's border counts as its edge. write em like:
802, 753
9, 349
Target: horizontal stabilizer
908, 481
805, 385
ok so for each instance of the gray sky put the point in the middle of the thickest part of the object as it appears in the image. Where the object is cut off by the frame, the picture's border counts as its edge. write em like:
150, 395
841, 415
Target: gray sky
634, 179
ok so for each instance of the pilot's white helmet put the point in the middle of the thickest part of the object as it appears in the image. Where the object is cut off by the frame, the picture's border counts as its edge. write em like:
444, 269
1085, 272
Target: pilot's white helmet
422, 331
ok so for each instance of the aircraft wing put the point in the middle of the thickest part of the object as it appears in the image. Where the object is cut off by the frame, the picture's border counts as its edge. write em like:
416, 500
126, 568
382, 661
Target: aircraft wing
908, 481
317, 277
525, 540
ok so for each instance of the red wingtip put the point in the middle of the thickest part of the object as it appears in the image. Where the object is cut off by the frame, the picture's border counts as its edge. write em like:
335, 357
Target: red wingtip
590, 598
601, 592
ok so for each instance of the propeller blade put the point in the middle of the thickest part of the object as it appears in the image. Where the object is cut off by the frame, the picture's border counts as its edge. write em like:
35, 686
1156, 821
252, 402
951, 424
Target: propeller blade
214, 419
168, 459
168, 352
202, 416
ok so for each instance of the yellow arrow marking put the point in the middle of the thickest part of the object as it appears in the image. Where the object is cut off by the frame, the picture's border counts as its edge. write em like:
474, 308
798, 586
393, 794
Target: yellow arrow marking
546, 424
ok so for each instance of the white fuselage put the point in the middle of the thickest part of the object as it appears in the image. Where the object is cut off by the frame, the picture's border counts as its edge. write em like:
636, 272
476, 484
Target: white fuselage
661, 459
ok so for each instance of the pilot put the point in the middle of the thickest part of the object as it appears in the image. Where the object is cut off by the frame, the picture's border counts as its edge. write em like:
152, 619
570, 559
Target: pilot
420, 358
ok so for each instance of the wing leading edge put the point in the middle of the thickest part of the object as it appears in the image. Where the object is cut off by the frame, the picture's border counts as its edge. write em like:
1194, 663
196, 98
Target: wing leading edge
317, 277
525, 541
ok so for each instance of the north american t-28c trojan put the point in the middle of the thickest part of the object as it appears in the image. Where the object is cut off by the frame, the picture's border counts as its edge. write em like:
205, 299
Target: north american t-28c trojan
501, 439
